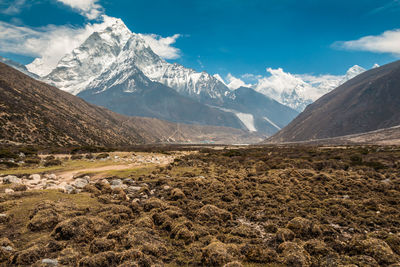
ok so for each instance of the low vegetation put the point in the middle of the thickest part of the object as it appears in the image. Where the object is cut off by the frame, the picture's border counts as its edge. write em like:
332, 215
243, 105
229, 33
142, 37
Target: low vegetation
260, 206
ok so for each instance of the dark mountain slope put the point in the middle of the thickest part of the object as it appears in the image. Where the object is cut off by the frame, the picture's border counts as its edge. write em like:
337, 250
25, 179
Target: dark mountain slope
366, 103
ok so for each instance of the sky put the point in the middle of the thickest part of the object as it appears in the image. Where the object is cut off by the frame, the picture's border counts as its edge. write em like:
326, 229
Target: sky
234, 38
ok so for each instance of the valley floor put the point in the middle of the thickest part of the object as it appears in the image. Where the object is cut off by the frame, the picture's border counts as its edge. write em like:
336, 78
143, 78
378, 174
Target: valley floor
254, 206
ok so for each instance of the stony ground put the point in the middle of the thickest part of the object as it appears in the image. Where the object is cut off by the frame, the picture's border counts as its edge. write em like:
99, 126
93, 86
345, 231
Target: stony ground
268, 206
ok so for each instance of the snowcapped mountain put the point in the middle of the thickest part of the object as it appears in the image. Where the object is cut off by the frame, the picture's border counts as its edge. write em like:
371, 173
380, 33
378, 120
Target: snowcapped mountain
77, 69
115, 65
298, 91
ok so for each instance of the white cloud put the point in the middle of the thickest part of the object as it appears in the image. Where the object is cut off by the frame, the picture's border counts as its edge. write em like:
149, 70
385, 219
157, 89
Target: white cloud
88, 8
234, 83
47, 43
162, 46
294, 90
387, 42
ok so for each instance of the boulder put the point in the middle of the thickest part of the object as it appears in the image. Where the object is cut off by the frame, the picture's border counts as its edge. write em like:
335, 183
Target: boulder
11, 179
80, 183
35, 177
50, 262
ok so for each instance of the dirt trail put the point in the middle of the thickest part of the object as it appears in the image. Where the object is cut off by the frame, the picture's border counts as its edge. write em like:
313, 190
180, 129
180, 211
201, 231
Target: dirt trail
141, 161
68, 176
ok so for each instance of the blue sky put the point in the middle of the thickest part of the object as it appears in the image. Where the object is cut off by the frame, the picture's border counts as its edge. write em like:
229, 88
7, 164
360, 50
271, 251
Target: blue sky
236, 36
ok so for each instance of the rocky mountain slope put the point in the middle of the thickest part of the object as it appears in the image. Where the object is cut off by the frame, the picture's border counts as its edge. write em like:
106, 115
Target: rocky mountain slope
115, 67
32, 112
367, 102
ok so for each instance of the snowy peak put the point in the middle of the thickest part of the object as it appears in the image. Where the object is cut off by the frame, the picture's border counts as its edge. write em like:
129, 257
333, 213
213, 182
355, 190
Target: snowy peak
353, 72
80, 67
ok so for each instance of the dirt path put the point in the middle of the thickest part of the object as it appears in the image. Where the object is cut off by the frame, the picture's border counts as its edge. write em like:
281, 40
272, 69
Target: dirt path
67, 176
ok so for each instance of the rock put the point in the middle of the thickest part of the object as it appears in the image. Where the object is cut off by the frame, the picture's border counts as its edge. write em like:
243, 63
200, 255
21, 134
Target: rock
120, 186
104, 181
129, 181
87, 178
166, 187
4, 218
9, 191
11, 179
7, 248
35, 177
51, 176
69, 189
80, 183
133, 189
116, 182
50, 262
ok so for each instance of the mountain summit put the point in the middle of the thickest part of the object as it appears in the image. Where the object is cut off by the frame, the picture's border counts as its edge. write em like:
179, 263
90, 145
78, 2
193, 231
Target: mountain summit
117, 69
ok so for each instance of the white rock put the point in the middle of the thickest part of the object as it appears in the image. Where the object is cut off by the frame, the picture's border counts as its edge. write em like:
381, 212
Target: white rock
50, 262
80, 183
7, 248
9, 191
69, 189
51, 176
166, 187
11, 179
116, 182
34, 177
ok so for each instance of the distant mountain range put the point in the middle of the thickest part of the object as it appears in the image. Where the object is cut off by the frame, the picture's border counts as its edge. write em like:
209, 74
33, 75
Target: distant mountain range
32, 112
298, 91
368, 102
115, 68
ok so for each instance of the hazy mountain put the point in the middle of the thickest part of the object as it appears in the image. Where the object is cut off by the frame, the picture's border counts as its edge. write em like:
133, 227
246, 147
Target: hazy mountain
365, 103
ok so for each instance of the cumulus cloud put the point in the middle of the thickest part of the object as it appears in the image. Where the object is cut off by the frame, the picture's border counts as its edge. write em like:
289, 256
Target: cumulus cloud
294, 90
163, 46
47, 43
88, 8
387, 42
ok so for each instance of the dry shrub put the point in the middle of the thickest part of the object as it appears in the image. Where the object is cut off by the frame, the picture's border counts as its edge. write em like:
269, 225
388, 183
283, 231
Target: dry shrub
284, 234
294, 255
80, 229
101, 245
376, 248
213, 215
259, 254
44, 219
28, 256
216, 254
103, 259
177, 194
